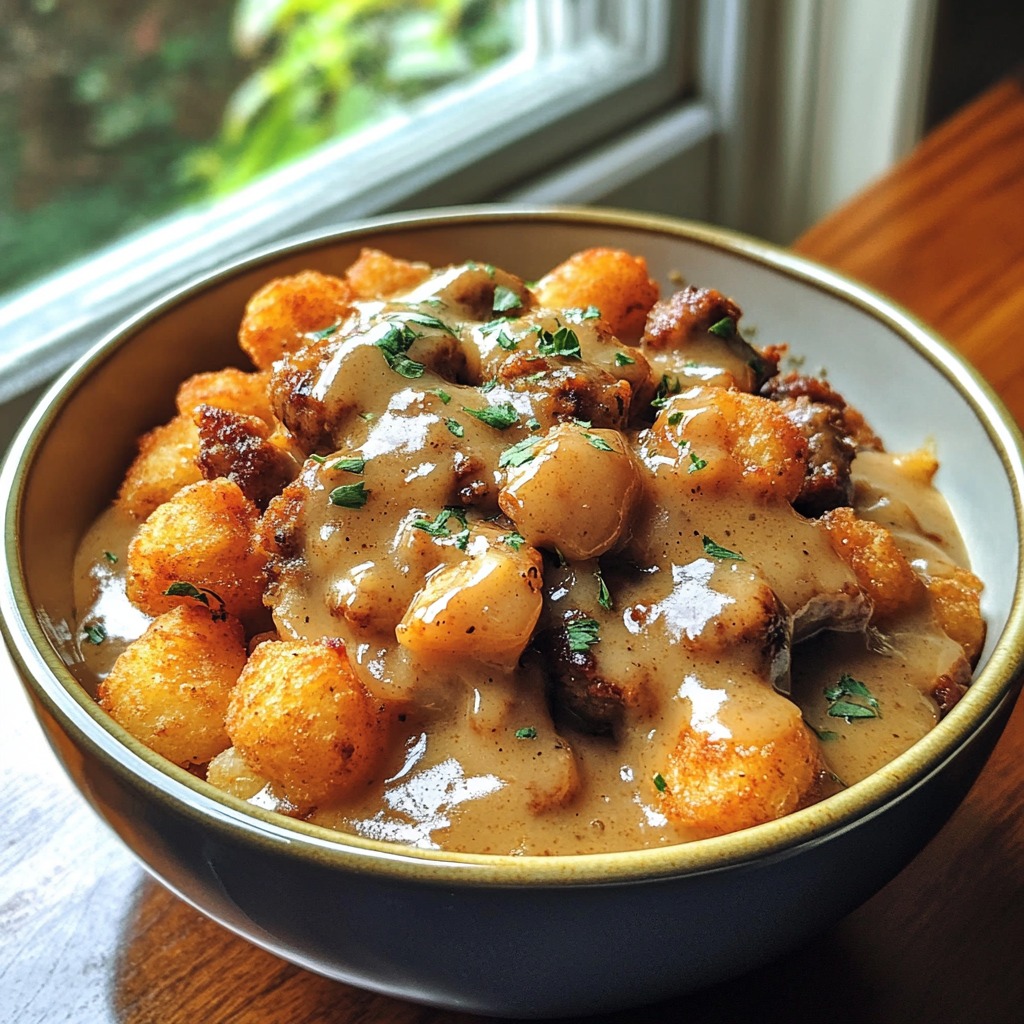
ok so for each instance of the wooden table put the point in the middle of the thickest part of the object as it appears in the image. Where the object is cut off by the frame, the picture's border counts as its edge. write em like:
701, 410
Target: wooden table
87, 937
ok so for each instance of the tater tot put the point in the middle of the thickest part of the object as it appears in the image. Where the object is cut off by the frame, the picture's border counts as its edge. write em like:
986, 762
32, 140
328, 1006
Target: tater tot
485, 606
203, 536
166, 463
881, 568
281, 315
616, 282
560, 475
375, 275
231, 389
715, 782
956, 603
726, 437
170, 688
299, 717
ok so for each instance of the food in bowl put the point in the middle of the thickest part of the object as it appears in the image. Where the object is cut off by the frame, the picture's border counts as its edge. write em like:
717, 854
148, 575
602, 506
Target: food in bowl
470, 564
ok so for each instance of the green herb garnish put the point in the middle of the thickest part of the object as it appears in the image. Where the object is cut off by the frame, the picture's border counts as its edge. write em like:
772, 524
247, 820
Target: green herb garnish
110, 557
725, 328
394, 345
350, 495
667, 386
621, 359
717, 551
850, 698
582, 634
424, 320
604, 597
514, 540
519, 453
501, 417
318, 459
441, 393
325, 333
455, 427
696, 463
438, 526
526, 733
201, 594
564, 342
349, 465
598, 442
95, 634
675, 418
659, 782
505, 299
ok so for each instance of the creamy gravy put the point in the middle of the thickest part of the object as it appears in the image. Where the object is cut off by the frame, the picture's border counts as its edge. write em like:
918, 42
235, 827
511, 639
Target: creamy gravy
476, 761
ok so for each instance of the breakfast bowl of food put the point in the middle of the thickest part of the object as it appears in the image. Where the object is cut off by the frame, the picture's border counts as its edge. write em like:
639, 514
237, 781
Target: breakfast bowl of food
523, 612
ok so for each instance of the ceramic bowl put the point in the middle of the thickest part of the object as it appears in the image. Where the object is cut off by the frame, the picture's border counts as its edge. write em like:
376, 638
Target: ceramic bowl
523, 936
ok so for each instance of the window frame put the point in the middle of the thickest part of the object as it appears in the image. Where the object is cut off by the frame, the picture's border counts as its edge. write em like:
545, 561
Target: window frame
437, 156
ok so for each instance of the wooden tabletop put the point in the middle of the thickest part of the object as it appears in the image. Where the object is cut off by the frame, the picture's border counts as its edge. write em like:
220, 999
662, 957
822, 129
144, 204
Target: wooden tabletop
87, 937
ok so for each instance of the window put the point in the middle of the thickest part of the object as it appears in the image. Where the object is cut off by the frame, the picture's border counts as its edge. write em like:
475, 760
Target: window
578, 73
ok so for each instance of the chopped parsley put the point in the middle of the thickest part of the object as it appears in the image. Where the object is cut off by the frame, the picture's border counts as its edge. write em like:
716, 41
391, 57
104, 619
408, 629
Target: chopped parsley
440, 393
425, 320
659, 782
725, 328
95, 634
667, 386
604, 597
503, 340
591, 313
526, 733
350, 495
564, 342
533, 423
505, 298
696, 463
318, 459
394, 344
675, 418
582, 634
621, 359
368, 416
825, 735
455, 427
489, 385
438, 526
201, 594
598, 442
850, 698
717, 551
519, 453
110, 557
514, 540
349, 465
501, 417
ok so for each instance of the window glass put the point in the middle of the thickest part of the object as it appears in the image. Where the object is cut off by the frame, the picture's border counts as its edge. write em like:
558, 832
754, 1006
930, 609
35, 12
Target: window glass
121, 112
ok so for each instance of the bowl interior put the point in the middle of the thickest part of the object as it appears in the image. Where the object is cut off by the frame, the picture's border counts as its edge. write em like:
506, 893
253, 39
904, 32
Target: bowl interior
73, 453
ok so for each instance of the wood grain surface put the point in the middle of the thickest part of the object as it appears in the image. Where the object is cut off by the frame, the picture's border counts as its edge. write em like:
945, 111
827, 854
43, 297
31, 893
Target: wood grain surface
86, 936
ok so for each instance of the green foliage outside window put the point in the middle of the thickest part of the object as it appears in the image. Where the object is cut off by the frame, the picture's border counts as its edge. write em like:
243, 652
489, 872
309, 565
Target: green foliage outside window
117, 112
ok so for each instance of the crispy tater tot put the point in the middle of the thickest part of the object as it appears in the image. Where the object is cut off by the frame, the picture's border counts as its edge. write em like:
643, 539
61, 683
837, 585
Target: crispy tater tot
715, 783
484, 606
730, 436
203, 536
231, 389
166, 463
560, 475
871, 551
956, 602
170, 688
299, 717
283, 313
616, 282
375, 274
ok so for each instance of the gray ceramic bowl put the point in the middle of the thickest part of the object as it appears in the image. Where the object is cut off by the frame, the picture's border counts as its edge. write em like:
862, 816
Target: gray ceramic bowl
514, 935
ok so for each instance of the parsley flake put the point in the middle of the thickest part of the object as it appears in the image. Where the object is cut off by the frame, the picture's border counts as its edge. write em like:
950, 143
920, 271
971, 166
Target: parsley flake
659, 782
667, 386
696, 463
850, 698
514, 540
505, 298
350, 495
394, 344
725, 328
318, 459
424, 320
95, 634
717, 551
181, 588
604, 597
526, 733
501, 417
349, 465
110, 557
598, 442
438, 526
564, 342
455, 427
533, 423
440, 393
621, 359
519, 453
582, 634
675, 418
